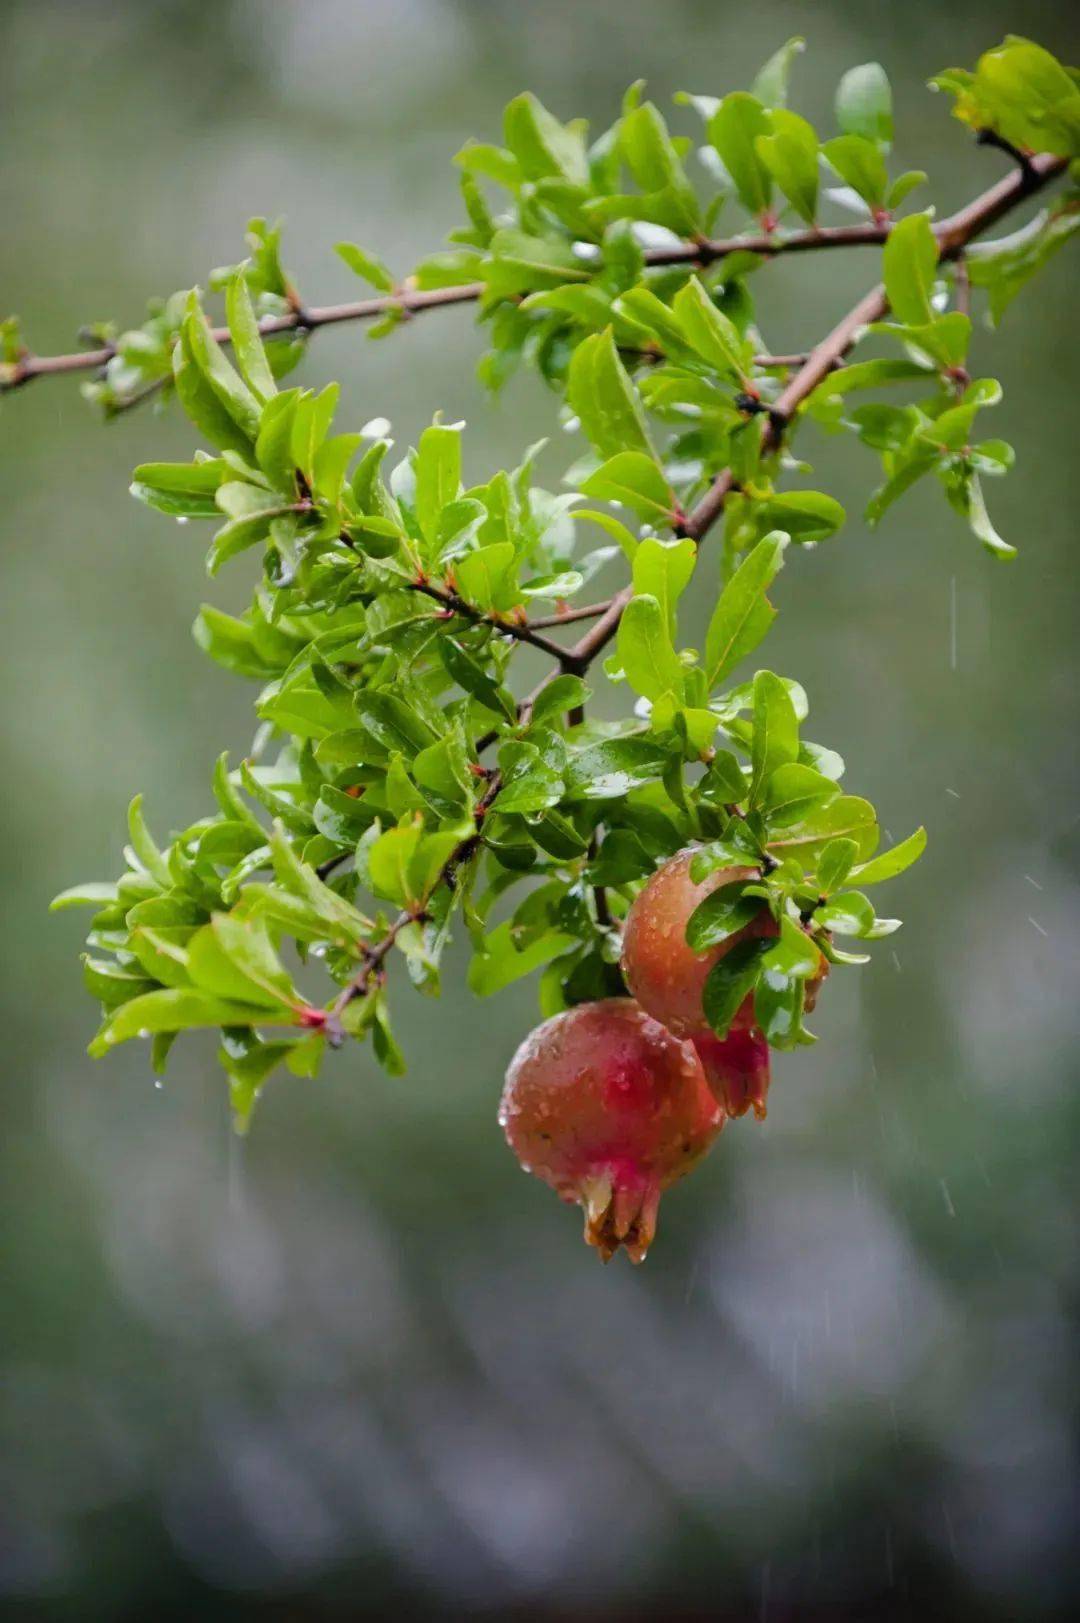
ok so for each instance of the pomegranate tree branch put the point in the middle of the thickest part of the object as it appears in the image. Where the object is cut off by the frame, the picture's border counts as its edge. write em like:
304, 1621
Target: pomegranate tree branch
413, 301
953, 234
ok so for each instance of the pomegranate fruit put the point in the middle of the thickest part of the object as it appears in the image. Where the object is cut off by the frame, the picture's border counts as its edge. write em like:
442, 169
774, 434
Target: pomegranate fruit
665, 976
609, 1107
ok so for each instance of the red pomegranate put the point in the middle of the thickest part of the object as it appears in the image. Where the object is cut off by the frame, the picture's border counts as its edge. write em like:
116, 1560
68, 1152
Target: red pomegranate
662, 972
609, 1108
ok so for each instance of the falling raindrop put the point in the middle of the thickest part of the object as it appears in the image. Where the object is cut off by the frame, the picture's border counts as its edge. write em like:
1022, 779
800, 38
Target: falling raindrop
235, 1155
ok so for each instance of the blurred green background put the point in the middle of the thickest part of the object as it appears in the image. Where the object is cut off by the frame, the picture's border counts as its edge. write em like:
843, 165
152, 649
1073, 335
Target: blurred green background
358, 1364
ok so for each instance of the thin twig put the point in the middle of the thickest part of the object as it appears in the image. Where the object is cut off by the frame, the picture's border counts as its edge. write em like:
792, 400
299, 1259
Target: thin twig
588, 611
521, 630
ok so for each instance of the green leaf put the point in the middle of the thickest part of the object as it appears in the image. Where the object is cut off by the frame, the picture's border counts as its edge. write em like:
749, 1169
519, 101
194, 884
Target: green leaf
561, 694
617, 530
494, 163
246, 943
710, 333
792, 792
542, 146
311, 424
771, 84
632, 478
181, 489
790, 154
111, 985
226, 383
891, 863
723, 912
471, 676
340, 919
775, 739
779, 1001
443, 767
610, 769
834, 864
201, 403
662, 569
743, 614
248, 1061
366, 266
724, 781
859, 162
530, 784
910, 266
645, 649
974, 505
792, 956
247, 340
860, 375
144, 846
902, 187
849, 817
655, 164
273, 446
848, 913
95, 893
803, 515
499, 963
178, 1009
438, 475
730, 981
392, 722
600, 392
733, 131
231, 643
1005, 267
864, 103
487, 578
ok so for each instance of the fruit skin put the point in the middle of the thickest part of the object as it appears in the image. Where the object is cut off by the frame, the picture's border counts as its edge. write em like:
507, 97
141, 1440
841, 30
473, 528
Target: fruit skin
737, 1066
662, 972
609, 1108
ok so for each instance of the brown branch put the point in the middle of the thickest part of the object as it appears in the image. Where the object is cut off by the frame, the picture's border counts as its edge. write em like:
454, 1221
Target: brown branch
413, 301
588, 611
522, 630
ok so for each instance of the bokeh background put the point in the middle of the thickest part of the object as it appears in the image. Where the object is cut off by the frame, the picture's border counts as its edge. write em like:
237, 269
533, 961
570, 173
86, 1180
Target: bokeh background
358, 1364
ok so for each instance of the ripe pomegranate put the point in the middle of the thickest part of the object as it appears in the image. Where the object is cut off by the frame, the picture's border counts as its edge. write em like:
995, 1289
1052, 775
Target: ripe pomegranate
662, 972
609, 1108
